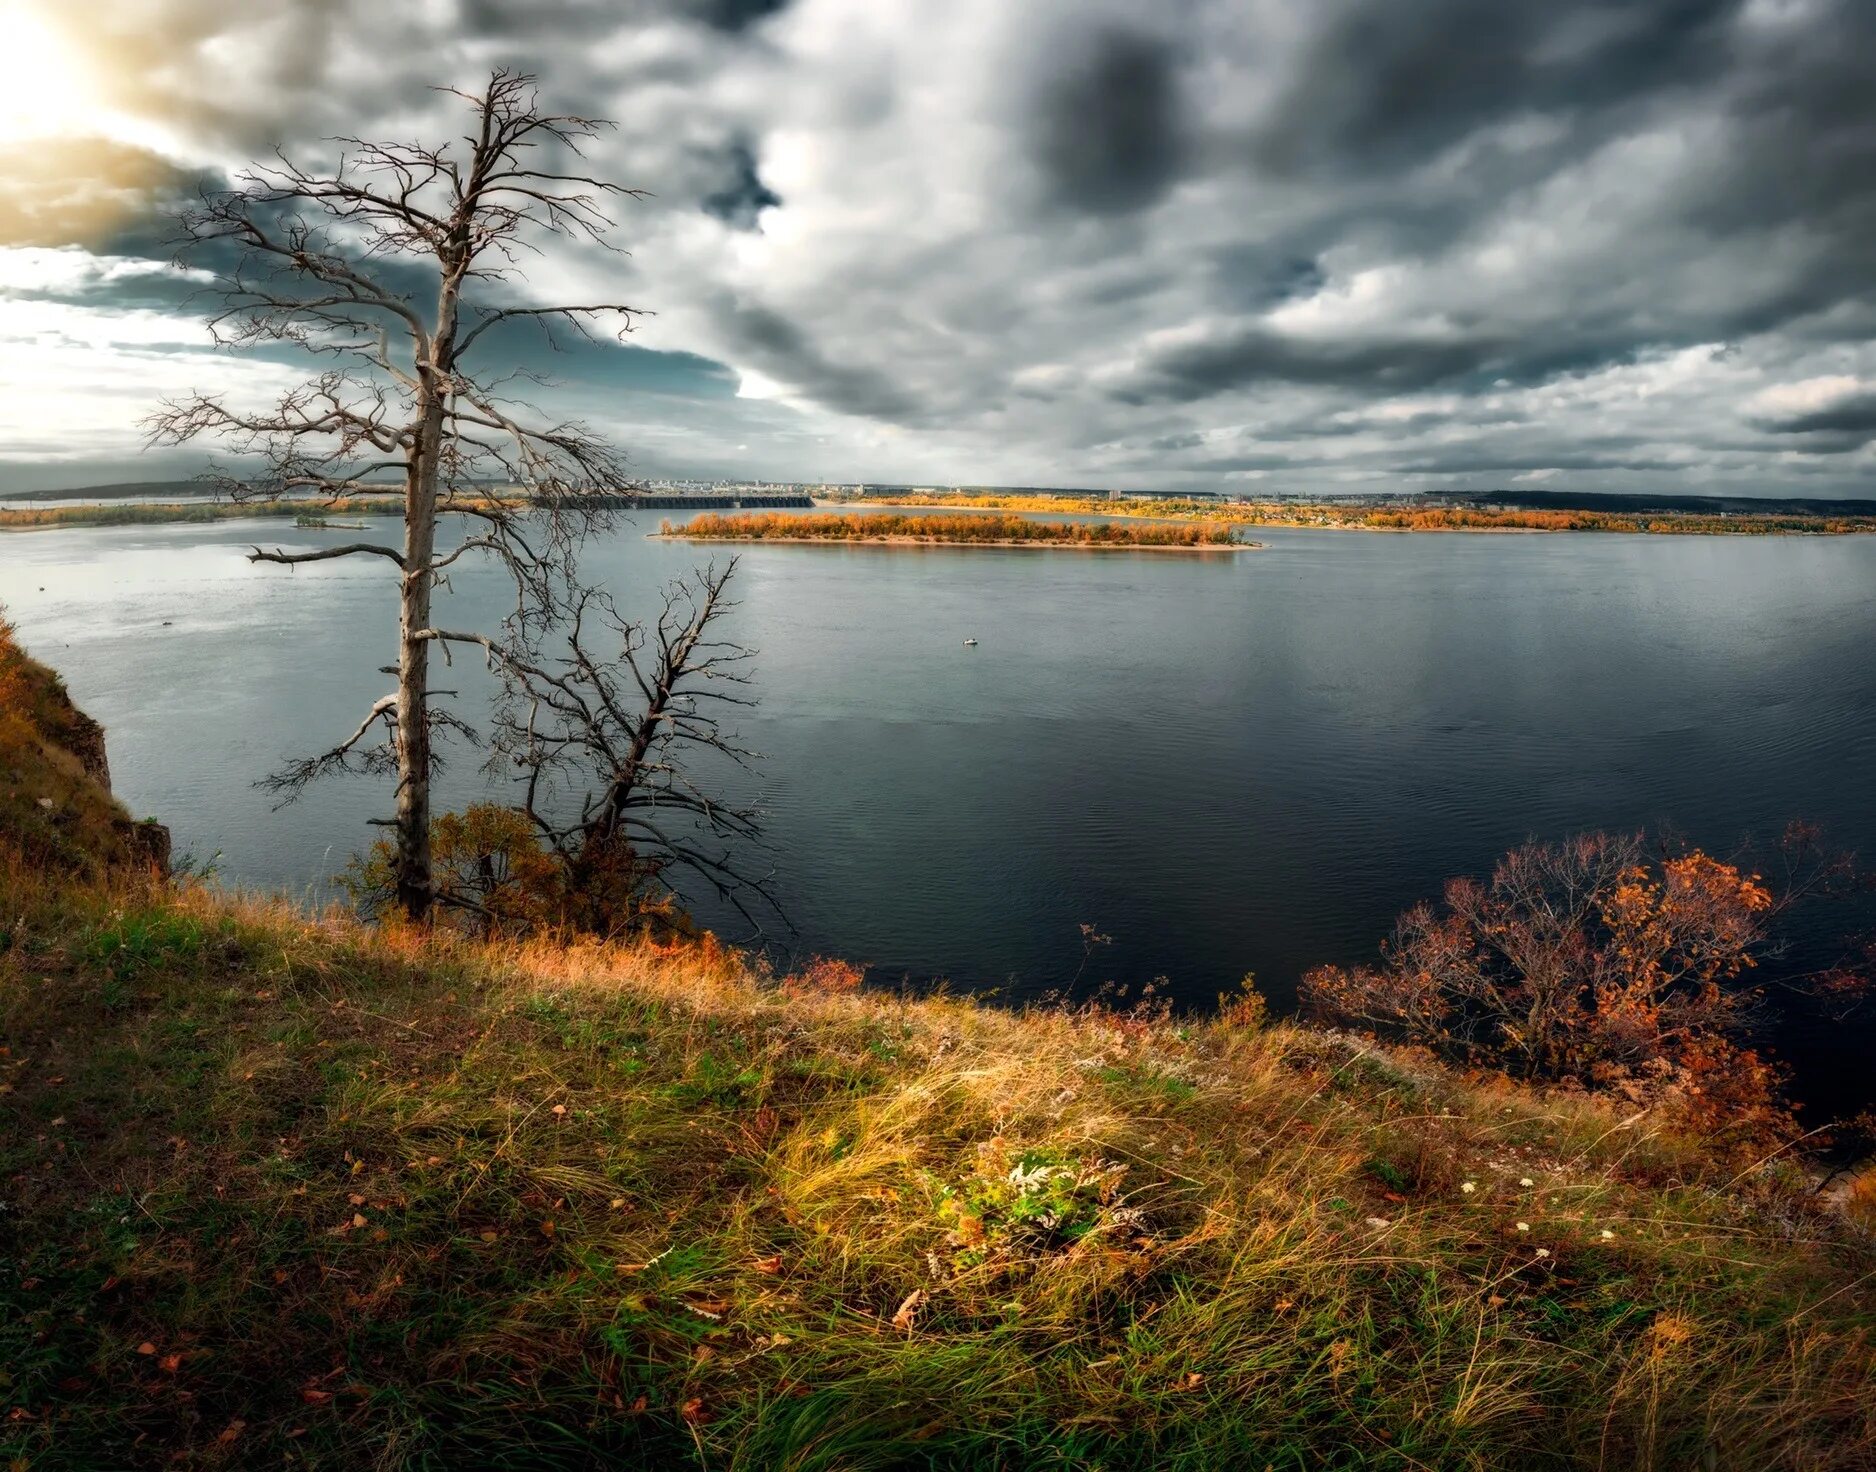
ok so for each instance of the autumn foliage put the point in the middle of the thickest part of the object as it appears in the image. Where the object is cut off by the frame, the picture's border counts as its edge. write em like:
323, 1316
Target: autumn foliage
983, 530
1412, 516
1600, 962
495, 876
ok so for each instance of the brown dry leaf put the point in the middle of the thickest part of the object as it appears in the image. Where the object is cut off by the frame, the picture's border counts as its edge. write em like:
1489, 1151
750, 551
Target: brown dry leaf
231, 1431
358, 1219
146, 1348
908, 1310
693, 1410
769, 1265
1191, 1380
315, 1397
490, 1236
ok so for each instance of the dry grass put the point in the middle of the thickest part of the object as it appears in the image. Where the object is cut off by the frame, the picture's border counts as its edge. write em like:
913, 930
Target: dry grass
279, 1189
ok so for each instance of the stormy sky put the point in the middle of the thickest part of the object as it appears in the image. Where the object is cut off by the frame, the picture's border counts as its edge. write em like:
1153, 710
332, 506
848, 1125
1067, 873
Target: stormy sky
1236, 245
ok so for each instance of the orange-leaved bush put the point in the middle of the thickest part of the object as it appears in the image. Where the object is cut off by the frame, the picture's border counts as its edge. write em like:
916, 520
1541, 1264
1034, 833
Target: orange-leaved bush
495, 874
1599, 961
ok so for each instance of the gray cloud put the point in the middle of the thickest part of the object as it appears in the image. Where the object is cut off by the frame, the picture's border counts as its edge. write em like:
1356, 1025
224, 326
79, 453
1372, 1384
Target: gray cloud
1107, 127
1310, 244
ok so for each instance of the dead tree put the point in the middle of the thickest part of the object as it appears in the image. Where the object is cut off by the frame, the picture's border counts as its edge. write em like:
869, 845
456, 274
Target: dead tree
396, 263
605, 746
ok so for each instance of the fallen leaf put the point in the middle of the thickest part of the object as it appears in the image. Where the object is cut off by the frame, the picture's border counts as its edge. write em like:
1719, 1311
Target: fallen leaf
908, 1310
231, 1431
315, 1397
358, 1219
769, 1265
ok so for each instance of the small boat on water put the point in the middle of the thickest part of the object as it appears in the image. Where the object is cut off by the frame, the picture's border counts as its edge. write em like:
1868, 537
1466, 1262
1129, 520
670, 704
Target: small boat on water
970, 643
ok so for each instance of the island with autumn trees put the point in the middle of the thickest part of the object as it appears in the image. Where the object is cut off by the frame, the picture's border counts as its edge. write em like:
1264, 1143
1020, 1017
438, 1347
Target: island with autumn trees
945, 530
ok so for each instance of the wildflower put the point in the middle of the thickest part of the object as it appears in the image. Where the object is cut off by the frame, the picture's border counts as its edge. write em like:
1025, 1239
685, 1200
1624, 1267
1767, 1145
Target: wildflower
1607, 1235
1543, 1251
1526, 1181
1524, 1226
1469, 1187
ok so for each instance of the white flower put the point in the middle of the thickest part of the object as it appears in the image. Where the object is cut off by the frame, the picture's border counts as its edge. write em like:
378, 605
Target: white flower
1543, 1251
1524, 1226
1607, 1234
1469, 1187
1526, 1181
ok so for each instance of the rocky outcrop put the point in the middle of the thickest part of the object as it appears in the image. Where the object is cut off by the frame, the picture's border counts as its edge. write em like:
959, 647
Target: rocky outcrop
56, 805
84, 738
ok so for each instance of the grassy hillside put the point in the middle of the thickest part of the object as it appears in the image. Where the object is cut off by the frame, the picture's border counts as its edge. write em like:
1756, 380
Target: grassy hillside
289, 1191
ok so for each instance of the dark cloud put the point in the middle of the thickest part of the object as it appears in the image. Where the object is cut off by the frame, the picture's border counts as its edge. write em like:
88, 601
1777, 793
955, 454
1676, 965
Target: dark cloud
735, 15
787, 353
1107, 132
741, 201
1370, 364
1838, 427
1385, 84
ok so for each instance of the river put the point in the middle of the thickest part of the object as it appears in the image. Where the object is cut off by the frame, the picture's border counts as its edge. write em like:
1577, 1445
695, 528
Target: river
1226, 764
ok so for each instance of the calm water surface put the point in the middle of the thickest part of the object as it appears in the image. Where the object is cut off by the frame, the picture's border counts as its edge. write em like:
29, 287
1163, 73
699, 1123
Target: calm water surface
1226, 763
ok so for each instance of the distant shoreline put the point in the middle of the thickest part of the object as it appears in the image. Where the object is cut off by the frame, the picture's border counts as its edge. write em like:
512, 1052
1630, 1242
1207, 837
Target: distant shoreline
1035, 542
1382, 519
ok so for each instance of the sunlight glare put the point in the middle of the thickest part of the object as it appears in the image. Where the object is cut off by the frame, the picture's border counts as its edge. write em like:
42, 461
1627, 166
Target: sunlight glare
49, 90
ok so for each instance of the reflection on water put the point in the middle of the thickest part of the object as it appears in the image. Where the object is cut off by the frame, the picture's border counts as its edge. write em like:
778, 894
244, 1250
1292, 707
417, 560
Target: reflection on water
1236, 764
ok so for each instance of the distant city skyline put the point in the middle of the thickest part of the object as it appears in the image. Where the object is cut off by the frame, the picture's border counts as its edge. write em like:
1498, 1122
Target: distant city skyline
1275, 247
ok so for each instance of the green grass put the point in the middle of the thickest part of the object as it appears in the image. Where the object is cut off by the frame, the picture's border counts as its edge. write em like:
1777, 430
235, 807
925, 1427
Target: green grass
280, 1191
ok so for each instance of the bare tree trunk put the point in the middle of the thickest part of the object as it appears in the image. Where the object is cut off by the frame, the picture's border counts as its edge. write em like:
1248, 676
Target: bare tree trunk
415, 882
